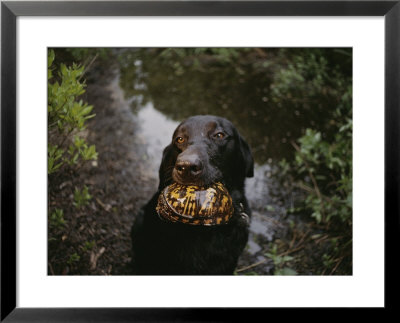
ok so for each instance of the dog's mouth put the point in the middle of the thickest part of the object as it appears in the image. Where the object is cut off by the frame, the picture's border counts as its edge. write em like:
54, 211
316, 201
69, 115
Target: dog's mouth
208, 178
185, 180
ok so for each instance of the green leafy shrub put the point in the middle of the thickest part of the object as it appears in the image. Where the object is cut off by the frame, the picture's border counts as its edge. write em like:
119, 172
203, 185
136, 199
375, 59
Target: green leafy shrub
324, 168
81, 197
56, 219
74, 258
280, 262
66, 117
68, 152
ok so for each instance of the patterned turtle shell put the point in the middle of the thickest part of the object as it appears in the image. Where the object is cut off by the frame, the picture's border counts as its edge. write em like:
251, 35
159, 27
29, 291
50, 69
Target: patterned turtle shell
195, 205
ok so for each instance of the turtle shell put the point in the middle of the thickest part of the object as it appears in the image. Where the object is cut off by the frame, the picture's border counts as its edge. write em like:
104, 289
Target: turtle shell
195, 205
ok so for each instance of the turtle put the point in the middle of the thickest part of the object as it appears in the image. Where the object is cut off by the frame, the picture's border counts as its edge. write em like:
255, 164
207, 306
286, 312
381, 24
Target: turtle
195, 205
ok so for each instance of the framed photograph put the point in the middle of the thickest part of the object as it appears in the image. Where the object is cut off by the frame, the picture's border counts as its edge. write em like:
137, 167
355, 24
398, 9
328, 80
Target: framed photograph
197, 156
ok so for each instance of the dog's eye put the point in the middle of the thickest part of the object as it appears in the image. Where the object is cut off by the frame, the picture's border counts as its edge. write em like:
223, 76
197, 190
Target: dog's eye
219, 135
180, 140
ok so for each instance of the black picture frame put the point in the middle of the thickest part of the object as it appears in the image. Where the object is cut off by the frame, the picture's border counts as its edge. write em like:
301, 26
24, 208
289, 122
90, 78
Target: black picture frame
10, 10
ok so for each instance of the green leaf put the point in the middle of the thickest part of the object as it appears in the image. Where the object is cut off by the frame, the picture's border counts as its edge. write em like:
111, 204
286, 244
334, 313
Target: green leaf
81, 197
73, 258
56, 219
50, 57
287, 272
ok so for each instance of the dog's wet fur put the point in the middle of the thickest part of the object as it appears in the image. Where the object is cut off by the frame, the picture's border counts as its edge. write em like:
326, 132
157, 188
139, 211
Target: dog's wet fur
204, 149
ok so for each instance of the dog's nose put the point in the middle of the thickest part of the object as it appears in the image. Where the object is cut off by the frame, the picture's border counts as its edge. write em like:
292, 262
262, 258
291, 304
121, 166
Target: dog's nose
189, 165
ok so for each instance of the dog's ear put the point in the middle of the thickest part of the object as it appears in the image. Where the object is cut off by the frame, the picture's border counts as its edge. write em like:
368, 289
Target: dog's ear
245, 157
167, 165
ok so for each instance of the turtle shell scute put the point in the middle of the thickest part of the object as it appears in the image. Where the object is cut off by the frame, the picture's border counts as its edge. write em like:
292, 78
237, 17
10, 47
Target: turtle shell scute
195, 205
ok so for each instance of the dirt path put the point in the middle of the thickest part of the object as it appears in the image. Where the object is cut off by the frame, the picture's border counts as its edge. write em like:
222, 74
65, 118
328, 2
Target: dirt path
121, 184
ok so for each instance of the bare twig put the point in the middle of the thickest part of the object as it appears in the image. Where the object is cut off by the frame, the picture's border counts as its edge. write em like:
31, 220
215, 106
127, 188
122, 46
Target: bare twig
312, 190
51, 269
89, 65
94, 257
252, 265
293, 239
290, 251
337, 265
260, 52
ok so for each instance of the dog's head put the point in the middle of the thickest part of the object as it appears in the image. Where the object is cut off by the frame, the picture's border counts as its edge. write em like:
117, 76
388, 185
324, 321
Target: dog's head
206, 149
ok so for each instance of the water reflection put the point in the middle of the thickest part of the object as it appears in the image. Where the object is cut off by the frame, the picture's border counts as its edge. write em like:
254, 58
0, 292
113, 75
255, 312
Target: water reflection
269, 105
156, 129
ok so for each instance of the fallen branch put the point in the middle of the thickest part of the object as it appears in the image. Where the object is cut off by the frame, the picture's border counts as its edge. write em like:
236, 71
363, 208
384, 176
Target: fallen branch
337, 265
252, 265
94, 257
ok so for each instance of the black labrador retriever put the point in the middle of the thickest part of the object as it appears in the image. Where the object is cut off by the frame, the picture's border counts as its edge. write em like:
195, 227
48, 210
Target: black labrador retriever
204, 149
